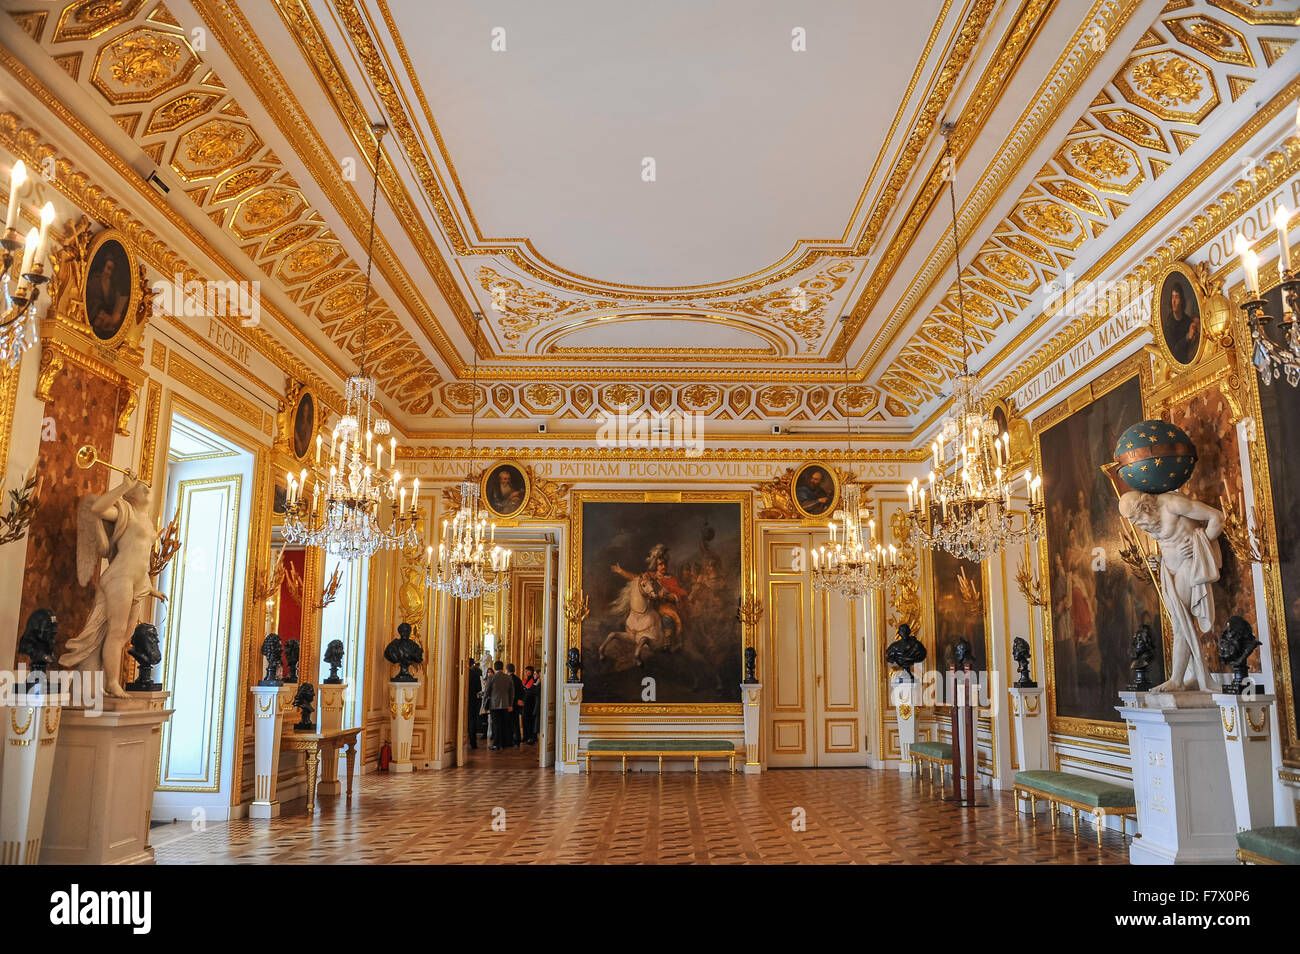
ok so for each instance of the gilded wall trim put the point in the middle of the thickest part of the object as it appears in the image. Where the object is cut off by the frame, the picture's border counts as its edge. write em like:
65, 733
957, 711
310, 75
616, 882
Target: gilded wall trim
194, 377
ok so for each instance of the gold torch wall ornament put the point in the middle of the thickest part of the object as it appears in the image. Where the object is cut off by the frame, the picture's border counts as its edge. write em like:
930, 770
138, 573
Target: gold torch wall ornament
577, 606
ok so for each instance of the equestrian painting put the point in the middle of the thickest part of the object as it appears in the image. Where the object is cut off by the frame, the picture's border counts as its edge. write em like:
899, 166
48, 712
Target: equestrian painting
663, 580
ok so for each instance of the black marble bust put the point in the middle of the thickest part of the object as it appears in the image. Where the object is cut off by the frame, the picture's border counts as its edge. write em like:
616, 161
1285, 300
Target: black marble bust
751, 663
303, 699
905, 652
144, 650
37, 644
273, 653
1235, 646
404, 652
573, 661
292, 650
1141, 656
1020, 653
334, 659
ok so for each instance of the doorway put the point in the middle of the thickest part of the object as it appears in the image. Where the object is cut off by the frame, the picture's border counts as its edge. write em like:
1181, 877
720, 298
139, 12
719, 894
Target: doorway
815, 676
517, 626
208, 491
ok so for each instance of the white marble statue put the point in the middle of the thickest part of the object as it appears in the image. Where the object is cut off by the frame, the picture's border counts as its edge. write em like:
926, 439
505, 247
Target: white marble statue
115, 526
1189, 560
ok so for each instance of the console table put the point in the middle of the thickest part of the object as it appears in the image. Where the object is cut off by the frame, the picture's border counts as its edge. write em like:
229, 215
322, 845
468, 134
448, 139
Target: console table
314, 743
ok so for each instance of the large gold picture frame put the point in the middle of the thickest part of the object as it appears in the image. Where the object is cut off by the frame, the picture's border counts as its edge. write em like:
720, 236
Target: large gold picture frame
1138, 366
1266, 509
744, 500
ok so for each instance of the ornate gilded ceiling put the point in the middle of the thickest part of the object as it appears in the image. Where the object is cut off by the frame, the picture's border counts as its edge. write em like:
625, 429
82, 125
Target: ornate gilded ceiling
514, 182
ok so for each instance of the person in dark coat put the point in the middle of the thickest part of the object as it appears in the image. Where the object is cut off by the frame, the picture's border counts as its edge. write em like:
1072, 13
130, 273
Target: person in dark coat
501, 699
473, 699
532, 704
517, 710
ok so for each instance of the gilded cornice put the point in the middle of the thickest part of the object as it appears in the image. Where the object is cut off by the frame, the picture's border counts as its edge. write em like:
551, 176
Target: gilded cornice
1272, 170
1063, 80
233, 177
709, 455
1121, 141
76, 186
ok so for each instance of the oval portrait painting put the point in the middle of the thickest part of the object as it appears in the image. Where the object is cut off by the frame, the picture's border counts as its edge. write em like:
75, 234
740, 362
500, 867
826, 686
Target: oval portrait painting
304, 424
1180, 318
814, 491
505, 489
109, 288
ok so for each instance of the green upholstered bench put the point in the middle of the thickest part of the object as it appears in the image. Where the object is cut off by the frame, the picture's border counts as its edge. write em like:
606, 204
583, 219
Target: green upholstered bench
1095, 796
659, 748
934, 754
1270, 845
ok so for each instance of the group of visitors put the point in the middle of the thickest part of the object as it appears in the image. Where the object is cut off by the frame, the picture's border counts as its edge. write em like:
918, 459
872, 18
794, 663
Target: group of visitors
504, 709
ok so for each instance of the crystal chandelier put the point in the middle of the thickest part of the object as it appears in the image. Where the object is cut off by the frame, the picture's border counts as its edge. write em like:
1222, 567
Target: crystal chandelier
18, 322
854, 563
343, 514
966, 509
1273, 360
469, 563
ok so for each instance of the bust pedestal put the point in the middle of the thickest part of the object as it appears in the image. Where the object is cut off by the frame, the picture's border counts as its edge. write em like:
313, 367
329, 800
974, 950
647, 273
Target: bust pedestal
329, 718
905, 695
750, 697
572, 723
101, 790
1180, 781
268, 723
1030, 727
1246, 736
401, 708
30, 735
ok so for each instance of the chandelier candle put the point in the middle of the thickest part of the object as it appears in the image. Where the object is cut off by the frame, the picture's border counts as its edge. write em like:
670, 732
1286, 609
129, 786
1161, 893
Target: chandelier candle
1273, 359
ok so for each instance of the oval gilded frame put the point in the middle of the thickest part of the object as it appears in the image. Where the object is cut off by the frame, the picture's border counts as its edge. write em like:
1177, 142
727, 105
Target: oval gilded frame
133, 296
486, 479
306, 394
1158, 317
835, 490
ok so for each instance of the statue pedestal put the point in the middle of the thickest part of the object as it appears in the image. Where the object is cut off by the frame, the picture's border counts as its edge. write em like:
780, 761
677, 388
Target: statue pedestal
101, 792
905, 695
30, 735
572, 723
329, 718
750, 697
1246, 736
1031, 729
1180, 781
401, 707
268, 723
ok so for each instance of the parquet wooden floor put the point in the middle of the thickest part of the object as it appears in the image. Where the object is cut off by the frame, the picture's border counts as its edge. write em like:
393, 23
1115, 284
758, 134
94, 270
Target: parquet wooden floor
850, 816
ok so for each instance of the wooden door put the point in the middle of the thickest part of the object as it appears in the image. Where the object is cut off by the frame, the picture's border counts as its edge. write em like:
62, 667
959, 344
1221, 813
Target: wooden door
813, 676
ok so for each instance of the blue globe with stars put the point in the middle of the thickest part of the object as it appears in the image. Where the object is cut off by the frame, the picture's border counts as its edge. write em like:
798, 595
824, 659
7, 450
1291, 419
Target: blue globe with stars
1155, 457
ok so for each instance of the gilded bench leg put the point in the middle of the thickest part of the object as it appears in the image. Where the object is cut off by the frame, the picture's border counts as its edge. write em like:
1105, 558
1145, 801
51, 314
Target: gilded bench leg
1033, 806
733, 765
1074, 817
625, 765
661, 765
1123, 824
1099, 820
697, 765
1054, 809
589, 764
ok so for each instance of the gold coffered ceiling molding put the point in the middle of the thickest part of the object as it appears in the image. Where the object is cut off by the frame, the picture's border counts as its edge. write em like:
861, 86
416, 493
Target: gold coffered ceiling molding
736, 329
138, 52
1140, 123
